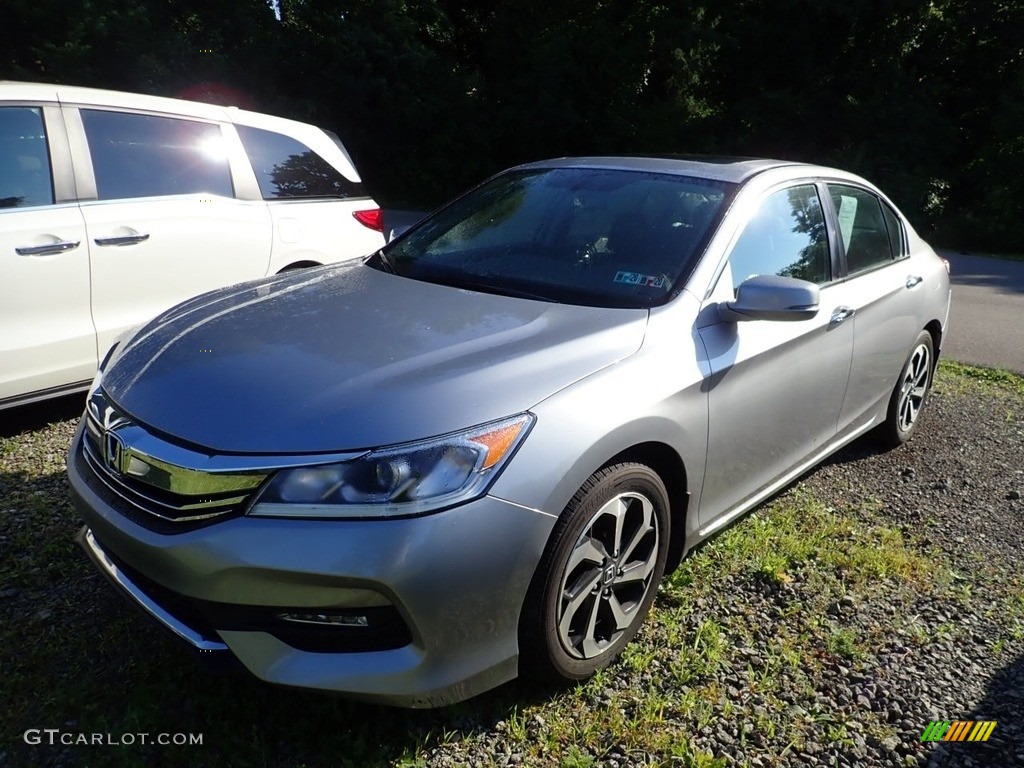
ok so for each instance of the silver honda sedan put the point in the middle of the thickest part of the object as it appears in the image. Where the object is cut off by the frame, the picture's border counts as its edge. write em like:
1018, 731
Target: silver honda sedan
477, 452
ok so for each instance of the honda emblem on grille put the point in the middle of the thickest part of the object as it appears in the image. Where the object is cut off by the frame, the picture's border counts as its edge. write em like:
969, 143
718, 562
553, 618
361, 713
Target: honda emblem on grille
114, 453
116, 456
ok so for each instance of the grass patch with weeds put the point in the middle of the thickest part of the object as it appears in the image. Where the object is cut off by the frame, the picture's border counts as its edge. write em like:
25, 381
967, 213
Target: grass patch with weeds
953, 375
781, 541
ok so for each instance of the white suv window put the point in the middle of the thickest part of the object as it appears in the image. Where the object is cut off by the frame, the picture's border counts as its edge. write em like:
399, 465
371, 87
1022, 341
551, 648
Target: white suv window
25, 178
287, 168
137, 155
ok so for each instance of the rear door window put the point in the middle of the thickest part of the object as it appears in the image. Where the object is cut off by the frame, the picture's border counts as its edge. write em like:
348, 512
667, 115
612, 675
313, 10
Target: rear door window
136, 155
287, 168
862, 228
25, 177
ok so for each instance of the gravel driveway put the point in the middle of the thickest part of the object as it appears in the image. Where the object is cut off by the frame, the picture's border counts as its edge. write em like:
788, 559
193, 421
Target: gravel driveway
957, 490
827, 629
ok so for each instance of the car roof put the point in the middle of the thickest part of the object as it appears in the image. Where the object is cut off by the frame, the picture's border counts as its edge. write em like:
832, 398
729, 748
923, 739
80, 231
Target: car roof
720, 168
72, 94
313, 136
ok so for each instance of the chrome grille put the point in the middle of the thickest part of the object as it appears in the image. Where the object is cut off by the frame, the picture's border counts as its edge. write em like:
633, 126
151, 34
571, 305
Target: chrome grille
157, 477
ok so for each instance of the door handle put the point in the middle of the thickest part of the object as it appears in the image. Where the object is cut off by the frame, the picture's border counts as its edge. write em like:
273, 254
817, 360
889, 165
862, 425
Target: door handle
123, 240
47, 250
839, 314
913, 280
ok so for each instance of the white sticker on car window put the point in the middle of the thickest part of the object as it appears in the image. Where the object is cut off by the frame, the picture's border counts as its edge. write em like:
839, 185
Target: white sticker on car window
847, 213
635, 278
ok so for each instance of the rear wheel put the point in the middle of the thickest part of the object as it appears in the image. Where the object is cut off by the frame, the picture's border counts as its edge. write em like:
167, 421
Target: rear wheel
910, 393
599, 575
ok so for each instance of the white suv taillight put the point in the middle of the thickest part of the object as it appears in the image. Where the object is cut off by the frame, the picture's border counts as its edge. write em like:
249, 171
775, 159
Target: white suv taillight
372, 218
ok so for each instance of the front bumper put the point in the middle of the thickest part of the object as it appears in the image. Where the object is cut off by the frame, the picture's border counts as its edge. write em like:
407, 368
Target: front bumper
457, 580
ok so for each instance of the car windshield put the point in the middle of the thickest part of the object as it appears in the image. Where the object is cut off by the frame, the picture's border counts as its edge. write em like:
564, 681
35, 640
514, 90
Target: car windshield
598, 237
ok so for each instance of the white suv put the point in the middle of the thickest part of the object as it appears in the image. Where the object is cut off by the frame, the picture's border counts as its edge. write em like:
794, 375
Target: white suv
116, 206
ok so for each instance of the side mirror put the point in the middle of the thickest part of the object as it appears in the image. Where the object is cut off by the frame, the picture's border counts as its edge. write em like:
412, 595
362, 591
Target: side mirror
770, 297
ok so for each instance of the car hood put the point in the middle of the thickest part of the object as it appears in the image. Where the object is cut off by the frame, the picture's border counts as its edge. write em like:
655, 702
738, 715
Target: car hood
347, 357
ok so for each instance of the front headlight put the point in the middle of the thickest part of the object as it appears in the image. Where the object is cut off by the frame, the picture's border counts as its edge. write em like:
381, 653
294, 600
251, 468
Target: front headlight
402, 480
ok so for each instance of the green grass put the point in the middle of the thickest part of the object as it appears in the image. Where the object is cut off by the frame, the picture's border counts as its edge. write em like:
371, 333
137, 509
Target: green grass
778, 544
950, 372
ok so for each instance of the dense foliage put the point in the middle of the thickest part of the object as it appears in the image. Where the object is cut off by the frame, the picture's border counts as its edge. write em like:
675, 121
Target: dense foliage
922, 96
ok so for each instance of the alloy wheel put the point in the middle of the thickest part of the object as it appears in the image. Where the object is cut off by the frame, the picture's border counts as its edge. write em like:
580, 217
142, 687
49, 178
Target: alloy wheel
914, 386
608, 574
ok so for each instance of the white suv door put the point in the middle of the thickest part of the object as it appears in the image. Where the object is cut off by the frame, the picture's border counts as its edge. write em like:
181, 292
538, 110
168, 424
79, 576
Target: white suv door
161, 216
47, 339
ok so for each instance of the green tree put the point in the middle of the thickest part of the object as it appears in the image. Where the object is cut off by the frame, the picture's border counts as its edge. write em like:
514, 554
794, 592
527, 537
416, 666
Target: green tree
921, 96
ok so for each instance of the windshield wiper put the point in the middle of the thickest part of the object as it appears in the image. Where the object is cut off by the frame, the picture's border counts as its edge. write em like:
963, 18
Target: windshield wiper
459, 281
384, 261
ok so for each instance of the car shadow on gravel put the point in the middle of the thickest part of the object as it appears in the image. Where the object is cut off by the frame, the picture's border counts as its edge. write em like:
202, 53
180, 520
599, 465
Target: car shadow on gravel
29, 418
1003, 703
864, 447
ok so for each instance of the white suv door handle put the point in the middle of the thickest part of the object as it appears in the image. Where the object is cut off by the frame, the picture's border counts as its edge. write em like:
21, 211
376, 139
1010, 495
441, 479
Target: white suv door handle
48, 249
839, 314
913, 280
124, 240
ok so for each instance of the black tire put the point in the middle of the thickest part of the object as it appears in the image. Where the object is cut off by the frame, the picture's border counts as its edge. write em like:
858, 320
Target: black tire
910, 393
614, 591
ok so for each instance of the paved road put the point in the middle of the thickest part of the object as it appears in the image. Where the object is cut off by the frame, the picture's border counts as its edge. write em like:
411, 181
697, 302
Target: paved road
987, 318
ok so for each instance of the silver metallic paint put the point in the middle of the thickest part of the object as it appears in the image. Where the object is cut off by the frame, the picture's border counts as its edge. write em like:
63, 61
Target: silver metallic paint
463, 609
346, 358
362, 359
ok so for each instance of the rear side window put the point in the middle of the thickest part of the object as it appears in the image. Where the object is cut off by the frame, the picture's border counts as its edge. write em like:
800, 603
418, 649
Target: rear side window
892, 223
146, 156
287, 168
25, 178
862, 228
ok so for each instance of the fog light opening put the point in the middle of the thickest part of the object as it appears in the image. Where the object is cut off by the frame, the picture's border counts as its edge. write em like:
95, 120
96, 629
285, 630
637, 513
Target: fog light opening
327, 619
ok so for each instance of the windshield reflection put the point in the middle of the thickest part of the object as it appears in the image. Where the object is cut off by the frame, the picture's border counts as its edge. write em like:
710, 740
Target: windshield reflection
598, 237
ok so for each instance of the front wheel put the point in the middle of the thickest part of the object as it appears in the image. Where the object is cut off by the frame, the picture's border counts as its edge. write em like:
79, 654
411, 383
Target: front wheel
599, 574
910, 393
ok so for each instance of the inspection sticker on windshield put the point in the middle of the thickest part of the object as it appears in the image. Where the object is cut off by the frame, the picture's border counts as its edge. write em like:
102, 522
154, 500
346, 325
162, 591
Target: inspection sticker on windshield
635, 278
